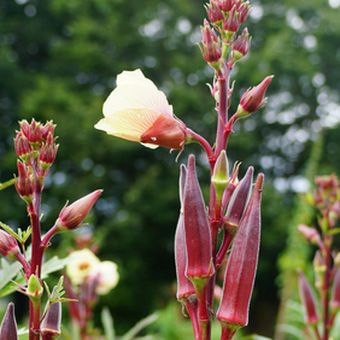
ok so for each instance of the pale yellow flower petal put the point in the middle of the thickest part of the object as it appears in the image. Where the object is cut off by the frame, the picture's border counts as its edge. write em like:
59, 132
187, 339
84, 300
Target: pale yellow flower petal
135, 91
129, 124
107, 275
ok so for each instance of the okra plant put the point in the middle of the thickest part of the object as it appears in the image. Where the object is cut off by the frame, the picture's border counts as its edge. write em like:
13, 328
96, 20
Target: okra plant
137, 111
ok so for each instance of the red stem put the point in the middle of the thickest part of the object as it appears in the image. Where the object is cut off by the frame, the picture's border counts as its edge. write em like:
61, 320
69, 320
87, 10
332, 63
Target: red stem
227, 333
192, 311
47, 237
326, 286
36, 261
222, 114
25, 265
227, 238
203, 314
204, 143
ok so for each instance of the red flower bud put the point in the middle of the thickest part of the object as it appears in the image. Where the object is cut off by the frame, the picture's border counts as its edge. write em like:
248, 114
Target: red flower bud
22, 146
24, 184
48, 151
50, 325
239, 200
73, 215
308, 300
210, 47
8, 244
254, 98
232, 23
335, 300
226, 5
310, 234
47, 129
31, 131
8, 328
214, 12
240, 46
197, 231
243, 10
242, 264
184, 286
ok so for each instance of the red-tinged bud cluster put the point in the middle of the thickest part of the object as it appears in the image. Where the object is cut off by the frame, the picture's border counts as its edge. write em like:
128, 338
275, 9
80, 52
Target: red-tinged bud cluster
310, 234
8, 244
36, 147
8, 328
71, 216
254, 98
238, 201
242, 264
197, 230
327, 195
25, 182
308, 301
51, 323
240, 46
211, 46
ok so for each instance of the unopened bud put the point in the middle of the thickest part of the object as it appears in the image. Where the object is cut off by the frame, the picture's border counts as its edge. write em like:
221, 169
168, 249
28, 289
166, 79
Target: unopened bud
24, 185
214, 12
230, 25
22, 146
310, 234
226, 5
197, 231
239, 200
308, 301
8, 328
51, 323
210, 47
240, 46
242, 265
32, 131
243, 8
254, 98
8, 244
47, 129
73, 215
220, 174
48, 152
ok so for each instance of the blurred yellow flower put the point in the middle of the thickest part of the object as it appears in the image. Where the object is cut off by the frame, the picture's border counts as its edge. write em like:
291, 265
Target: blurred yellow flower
107, 277
137, 111
81, 264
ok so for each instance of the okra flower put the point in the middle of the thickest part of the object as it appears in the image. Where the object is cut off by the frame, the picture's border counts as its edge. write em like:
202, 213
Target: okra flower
81, 263
106, 274
137, 111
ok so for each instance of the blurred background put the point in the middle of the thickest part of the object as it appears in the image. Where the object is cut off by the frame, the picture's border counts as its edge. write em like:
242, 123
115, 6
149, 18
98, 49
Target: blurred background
59, 60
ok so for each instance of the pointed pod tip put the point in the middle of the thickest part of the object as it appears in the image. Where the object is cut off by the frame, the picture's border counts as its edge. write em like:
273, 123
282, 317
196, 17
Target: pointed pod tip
250, 171
191, 162
259, 182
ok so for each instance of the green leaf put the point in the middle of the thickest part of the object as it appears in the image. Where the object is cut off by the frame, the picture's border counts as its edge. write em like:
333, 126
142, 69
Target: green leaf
10, 231
8, 272
52, 265
107, 322
140, 325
